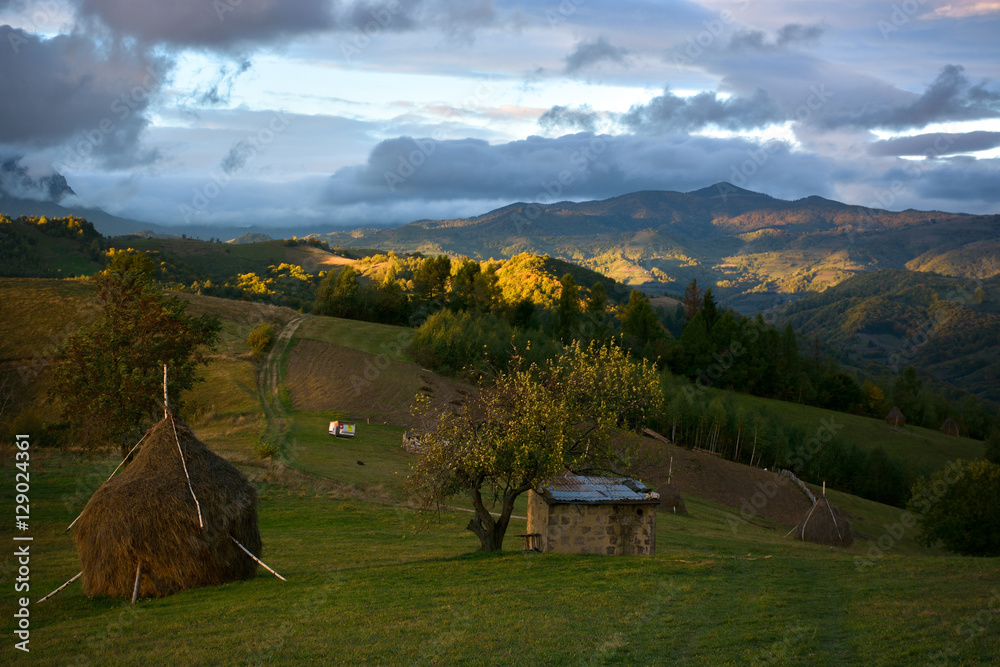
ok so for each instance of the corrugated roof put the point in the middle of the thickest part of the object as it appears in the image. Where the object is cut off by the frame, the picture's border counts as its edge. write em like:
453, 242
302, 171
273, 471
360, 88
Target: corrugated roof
589, 490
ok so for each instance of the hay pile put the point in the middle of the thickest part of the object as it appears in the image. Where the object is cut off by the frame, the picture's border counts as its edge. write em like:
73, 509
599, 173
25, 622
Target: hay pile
671, 500
895, 417
146, 516
825, 524
949, 427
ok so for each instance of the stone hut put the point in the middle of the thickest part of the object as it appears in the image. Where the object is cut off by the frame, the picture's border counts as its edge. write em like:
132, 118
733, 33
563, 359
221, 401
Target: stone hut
576, 514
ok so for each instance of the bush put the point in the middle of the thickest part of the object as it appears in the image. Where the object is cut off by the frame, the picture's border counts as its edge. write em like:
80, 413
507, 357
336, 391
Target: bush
260, 339
265, 450
960, 507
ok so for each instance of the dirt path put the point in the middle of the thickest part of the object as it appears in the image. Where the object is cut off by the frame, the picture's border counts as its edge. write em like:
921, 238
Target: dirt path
270, 381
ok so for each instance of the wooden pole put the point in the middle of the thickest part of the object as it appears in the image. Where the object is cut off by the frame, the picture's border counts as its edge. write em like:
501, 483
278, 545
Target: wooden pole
190, 488
75, 577
135, 590
166, 408
109, 477
259, 561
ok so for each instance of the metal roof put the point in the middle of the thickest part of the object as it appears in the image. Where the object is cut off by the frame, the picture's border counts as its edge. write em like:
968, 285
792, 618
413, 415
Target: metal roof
587, 490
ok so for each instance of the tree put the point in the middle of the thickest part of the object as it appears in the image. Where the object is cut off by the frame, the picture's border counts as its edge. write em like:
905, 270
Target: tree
569, 307
530, 424
639, 321
337, 294
960, 507
709, 309
109, 375
693, 299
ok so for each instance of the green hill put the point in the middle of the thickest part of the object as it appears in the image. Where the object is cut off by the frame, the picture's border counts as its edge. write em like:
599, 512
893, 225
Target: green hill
884, 321
370, 580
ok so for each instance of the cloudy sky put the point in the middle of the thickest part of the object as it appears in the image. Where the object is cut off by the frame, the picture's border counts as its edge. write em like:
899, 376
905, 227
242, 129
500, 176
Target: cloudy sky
374, 112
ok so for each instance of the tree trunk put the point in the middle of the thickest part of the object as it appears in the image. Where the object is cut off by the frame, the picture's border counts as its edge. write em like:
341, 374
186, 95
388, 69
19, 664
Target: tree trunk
488, 529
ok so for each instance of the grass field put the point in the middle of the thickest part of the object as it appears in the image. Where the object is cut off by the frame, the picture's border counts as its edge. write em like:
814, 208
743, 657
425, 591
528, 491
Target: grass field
373, 581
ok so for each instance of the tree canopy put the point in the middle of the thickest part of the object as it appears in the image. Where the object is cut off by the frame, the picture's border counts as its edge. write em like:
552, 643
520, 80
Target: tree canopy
529, 424
960, 507
109, 375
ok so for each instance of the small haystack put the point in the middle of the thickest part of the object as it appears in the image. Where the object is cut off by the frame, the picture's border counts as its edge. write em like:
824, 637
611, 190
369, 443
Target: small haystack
671, 500
949, 427
146, 518
825, 524
895, 417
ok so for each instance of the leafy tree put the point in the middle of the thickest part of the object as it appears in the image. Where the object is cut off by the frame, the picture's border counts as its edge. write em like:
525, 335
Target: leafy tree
109, 375
530, 424
960, 507
337, 294
430, 280
260, 339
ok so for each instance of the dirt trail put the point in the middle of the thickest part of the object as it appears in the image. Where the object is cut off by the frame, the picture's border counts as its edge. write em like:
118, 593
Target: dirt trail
270, 380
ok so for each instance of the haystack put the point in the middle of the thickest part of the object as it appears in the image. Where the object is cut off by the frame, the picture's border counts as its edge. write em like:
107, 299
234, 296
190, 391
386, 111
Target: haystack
949, 427
895, 417
671, 499
825, 524
146, 517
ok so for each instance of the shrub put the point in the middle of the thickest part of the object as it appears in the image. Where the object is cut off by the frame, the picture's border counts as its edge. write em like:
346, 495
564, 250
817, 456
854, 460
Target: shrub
260, 339
960, 507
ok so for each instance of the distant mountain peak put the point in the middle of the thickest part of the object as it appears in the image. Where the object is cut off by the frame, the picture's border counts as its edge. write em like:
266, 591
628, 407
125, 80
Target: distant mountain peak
723, 189
17, 183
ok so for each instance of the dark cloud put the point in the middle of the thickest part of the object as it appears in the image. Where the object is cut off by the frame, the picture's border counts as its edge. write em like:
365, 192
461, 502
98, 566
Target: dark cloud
558, 117
221, 89
964, 182
950, 98
590, 53
577, 166
938, 144
237, 157
216, 24
68, 89
669, 113
792, 34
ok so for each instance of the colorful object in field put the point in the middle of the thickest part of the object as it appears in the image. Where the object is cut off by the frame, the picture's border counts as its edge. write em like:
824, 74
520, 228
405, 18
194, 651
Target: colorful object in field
342, 429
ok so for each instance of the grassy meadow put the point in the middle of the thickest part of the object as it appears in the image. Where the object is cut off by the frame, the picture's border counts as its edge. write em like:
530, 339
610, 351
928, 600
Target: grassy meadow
371, 580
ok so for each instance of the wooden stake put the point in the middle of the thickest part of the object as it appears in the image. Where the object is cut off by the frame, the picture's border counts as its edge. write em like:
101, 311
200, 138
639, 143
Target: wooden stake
135, 590
109, 477
190, 488
77, 576
259, 561
166, 408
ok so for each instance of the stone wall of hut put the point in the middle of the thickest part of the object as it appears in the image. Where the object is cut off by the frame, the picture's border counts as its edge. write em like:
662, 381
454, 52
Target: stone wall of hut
592, 529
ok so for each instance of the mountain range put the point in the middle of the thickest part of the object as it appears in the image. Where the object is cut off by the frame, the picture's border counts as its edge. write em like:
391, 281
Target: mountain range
754, 250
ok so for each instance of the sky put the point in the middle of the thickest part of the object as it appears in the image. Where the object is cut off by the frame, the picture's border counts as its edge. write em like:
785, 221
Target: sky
375, 112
